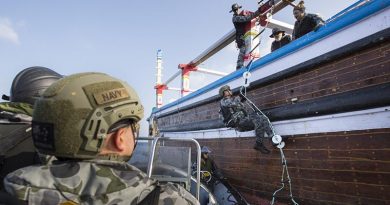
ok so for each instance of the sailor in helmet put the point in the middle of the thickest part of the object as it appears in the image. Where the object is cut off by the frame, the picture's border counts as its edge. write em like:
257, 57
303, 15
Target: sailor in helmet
236, 116
90, 122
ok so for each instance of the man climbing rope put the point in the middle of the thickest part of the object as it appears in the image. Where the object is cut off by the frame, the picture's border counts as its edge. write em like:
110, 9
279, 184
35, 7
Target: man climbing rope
235, 115
240, 20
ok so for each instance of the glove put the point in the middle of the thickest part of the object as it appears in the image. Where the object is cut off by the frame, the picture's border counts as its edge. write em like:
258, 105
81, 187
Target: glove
242, 98
317, 27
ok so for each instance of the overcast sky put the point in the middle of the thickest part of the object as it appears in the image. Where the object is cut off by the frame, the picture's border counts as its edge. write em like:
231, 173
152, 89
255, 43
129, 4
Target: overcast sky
121, 38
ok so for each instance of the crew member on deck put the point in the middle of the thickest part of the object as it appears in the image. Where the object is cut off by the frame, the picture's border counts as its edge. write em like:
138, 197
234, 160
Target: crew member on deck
305, 23
240, 20
281, 39
235, 115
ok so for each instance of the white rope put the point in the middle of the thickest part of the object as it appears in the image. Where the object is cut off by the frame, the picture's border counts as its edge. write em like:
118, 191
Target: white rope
284, 172
259, 36
256, 109
276, 138
247, 74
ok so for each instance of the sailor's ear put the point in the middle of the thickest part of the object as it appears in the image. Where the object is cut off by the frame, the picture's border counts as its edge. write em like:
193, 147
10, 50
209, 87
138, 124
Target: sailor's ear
119, 139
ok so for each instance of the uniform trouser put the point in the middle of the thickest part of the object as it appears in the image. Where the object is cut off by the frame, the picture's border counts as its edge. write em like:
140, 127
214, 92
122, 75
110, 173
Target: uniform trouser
240, 58
255, 122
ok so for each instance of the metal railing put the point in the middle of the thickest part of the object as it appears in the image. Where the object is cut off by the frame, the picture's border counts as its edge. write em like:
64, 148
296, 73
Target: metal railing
155, 141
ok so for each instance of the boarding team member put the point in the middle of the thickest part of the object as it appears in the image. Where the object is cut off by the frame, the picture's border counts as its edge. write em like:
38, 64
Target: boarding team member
235, 115
90, 122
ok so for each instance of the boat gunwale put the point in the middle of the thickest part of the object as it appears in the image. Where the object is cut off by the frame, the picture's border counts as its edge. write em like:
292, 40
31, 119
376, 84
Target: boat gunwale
352, 17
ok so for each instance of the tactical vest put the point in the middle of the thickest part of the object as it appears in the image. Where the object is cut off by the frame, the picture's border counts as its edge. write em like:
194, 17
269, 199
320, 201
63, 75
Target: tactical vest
232, 113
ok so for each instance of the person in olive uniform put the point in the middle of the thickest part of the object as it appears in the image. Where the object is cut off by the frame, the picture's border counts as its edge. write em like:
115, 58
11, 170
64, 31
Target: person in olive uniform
207, 164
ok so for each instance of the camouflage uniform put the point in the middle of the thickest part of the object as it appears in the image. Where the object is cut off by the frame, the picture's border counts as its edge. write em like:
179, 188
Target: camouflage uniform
89, 182
236, 116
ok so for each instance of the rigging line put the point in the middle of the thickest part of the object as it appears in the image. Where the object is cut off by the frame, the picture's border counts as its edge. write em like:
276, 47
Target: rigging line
257, 45
288, 177
247, 73
243, 88
252, 105
257, 35
256, 109
284, 172
283, 158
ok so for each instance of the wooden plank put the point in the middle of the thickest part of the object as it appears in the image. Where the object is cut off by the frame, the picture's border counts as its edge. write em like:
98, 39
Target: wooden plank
301, 82
325, 168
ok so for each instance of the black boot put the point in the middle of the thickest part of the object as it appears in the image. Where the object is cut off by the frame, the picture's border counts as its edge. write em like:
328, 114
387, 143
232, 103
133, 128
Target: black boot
260, 147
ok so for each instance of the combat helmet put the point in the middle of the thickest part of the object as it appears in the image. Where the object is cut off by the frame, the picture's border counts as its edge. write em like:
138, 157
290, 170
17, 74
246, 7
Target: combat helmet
73, 117
223, 89
30, 83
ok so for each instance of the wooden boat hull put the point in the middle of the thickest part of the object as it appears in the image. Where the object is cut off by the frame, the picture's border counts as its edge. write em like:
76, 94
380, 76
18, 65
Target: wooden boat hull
328, 95
325, 168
